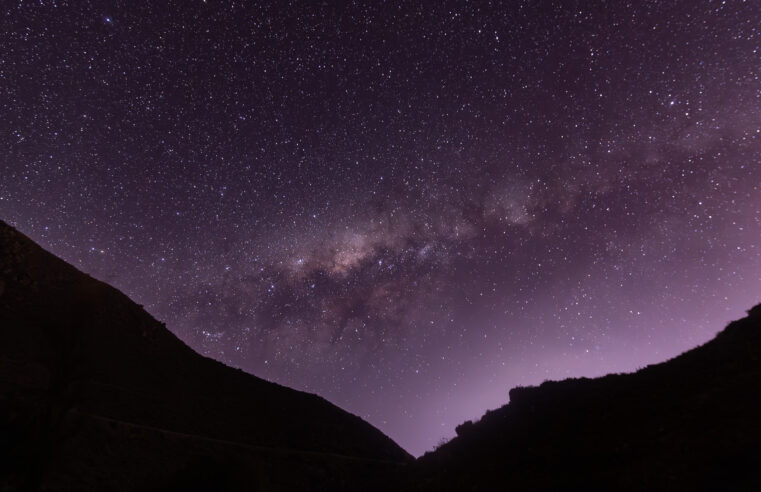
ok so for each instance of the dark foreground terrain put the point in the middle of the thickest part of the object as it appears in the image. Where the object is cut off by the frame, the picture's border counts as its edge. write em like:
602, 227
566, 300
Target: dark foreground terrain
692, 423
95, 394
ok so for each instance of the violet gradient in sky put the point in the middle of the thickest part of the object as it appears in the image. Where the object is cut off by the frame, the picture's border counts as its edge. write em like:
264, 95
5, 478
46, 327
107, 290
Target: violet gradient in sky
406, 208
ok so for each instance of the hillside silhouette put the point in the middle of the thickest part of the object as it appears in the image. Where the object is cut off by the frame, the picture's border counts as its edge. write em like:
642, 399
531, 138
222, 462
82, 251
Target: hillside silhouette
691, 423
95, 394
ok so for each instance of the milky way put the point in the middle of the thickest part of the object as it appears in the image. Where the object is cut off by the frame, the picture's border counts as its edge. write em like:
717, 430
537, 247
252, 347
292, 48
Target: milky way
406, 208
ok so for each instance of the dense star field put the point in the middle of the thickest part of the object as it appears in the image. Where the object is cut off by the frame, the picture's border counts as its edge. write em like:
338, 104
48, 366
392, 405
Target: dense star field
406, 208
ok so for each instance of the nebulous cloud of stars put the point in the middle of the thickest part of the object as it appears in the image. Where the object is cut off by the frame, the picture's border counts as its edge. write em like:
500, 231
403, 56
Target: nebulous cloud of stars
408, 208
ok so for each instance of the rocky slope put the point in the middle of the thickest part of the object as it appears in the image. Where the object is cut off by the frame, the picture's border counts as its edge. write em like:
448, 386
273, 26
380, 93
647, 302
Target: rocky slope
691, 423
96, 394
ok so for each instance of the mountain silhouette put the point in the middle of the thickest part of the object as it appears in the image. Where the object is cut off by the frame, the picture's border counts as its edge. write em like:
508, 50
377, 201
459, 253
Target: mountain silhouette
95, 394
691, 423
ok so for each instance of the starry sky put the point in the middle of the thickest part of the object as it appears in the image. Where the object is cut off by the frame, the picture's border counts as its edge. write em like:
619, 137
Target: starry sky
405, 207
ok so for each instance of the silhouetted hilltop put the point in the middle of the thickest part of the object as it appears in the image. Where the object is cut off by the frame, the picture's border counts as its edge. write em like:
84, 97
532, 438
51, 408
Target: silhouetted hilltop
691, 423
96, 394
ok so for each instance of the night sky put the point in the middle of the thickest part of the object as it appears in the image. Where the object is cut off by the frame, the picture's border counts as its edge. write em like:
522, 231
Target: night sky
406, 208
